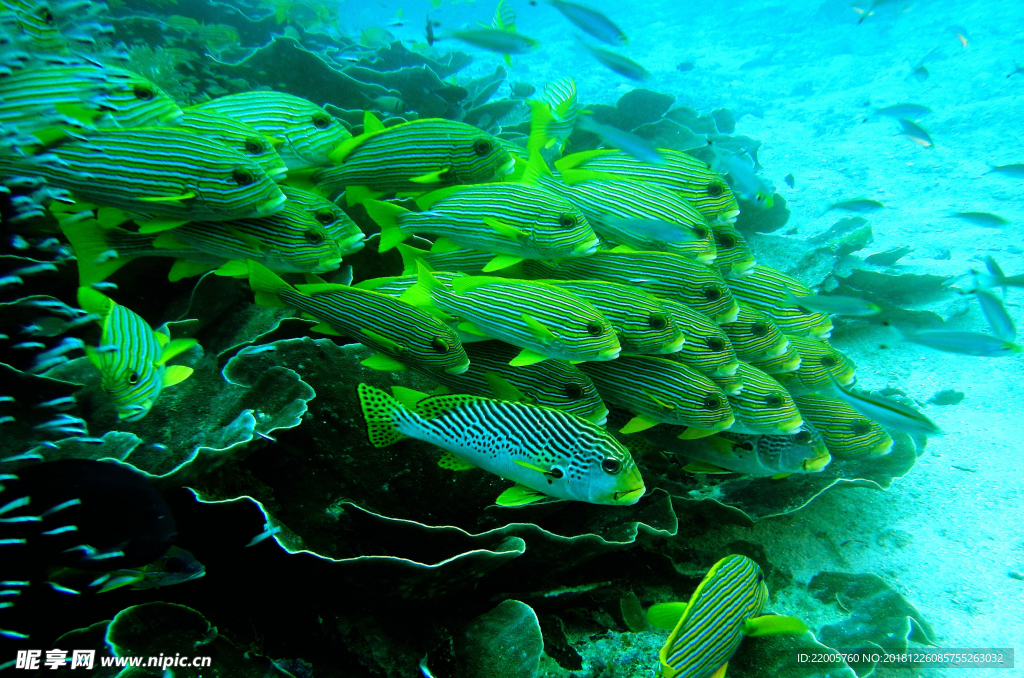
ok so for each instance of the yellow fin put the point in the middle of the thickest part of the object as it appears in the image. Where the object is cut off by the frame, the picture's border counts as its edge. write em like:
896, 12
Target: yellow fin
169, 198
450, 462
502, 388
266, 284
371, 123
501, 261
693, 433
506, 230
357, 195
175, 348
772, 624
519, 495
409, 398
538, 329
695, 466
167, 241
111, 216
342, 150
532, 467
183, 268
576, 159
720, 671
540, 118
666, 615
383, 363
470, 328
324, 328
640, 422
442, 245
527, 357
780, 476
431, 177
387, 343
175, 374
410, 257
388, 216
94, 357
158, 225
91, 301
233, 269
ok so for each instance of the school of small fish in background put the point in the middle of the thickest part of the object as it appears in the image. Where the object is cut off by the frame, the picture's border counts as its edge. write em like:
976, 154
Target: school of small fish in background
565, 304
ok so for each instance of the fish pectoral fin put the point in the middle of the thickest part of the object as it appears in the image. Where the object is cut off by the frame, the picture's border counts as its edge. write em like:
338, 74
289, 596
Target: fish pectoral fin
660, 403
384, 342
188, 195
183, 268
450, 462
501, 261
249, 239
527, 357
357, 195
704, 467
233, 269
175, 374
640, 422
158, 225
519, 495
720, 671
371, 123
507, 230
383, 363
502, 389
693, 433
176, 347
409, 398
666, 615
441, 390
469, 328
111, 216
538, 329
442, 245
780, 476
431, 177
324, 328
773, 624
622, 249
532, 467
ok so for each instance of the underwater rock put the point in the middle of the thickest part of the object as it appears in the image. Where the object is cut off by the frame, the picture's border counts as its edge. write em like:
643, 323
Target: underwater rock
397, 55
725, 121
503, 643
901, 288
776, 656
947, 397
480, 90
666, 133
754, 219
700, 124
418, 87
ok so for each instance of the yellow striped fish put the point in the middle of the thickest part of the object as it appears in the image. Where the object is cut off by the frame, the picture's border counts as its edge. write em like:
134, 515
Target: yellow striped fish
706, 348
733, 255
784, 363
768, 290
545, 321
402, 333
37, 21
763, 406
690, 178
754, 335
706, 632
643, 324
660, 391
33, 98
162, 175
662, 274
560, 98
131, 356
237, 135
444, 256
551, 383
416, 156
305, 132
514, 221
308, 235
820, 363
847, 433
547, 452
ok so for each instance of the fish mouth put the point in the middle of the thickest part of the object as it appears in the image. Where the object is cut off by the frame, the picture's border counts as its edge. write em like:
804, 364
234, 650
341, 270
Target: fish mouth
587, 247
823, 331
728, 369
791, 426
778, 349
276, 172
728, 217
742, 268
610, 353
881, 449
725, 423
675, 346
730, 315
355, 241
598, 417
815, 464
629, 496
506, 169
847, 379
458, 369
133, 412
707, 257
325, 265
271, 206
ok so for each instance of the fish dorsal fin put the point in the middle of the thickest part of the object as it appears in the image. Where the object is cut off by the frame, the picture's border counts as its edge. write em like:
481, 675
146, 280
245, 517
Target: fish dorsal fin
519, 495
409, 398
383, 363
92, 301
175, 374
501, 261
665, 615
468, 283
443, 245
175, 348
502, 388
640, 422
693, 433
527, 357
372, 124
505, 229
233, 269
578, 176
539, 330
436, 406
773, 624
576, 159
428, 200
450, 462
536, 169
183, 268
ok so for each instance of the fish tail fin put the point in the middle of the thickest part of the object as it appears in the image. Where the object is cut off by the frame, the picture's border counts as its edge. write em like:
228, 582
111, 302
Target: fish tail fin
384, 416
266, 284
97, 259
540, 118
387, 215
411, 258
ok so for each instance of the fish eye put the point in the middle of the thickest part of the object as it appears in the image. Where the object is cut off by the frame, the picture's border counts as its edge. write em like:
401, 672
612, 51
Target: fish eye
726, 241
802, 437
481, 147
594, 329
556, 473
611, 465
712, 293
774, 400
133, 378
715, 188
716, 344
573, 391
314, 237
321, 121
657, 321
325, 217
243, 177
759, 329
748, 446
439, 345
566, 220
712, 402
829, 360
143, 92
700, 232
254, 147
861, 426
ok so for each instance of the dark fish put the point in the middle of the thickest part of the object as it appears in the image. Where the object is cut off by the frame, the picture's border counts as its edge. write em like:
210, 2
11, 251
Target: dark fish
889, 257
998, 319
908, 111
961, 34
496, 40
920, 73
1016, 69
861, 205
790, 180
591, 22
522, 89
618, 63
685, 66
1016, 171
983, 219
916, 133
430, 32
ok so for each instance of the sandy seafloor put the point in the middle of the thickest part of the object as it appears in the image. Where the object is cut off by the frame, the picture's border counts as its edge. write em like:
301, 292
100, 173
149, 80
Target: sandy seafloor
946, 538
